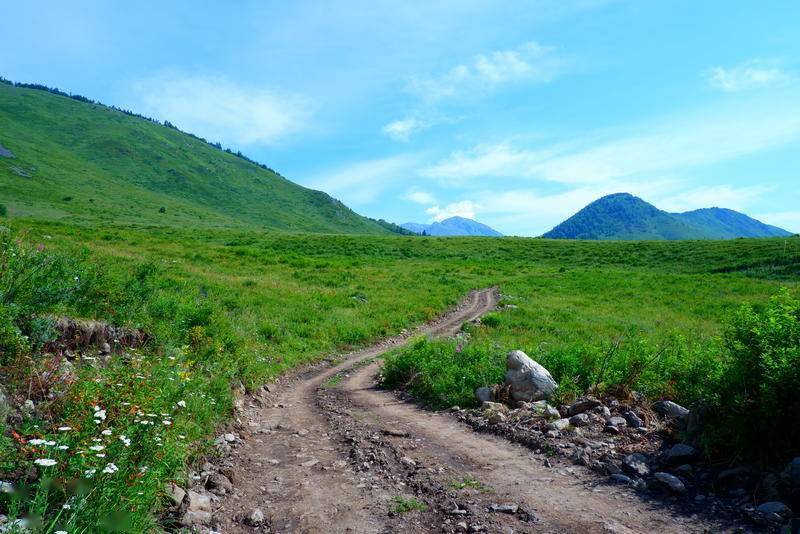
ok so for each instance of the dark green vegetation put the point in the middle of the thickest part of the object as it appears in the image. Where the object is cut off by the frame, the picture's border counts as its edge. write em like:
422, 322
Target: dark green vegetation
623, 216
225, 306
401, 505
83, 162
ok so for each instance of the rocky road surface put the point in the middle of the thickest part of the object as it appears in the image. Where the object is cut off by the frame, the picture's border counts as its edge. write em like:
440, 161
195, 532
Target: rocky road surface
326, 451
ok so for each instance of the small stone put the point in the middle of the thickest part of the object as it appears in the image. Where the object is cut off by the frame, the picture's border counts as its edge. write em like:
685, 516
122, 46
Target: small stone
775, 508
195, 519
673, 483
494, 406
310, 463
496, 417
408, 461
581, 419
684, 470
543, 408
672, 410
617, 421
611, 429
633, 420
462, 526
622, 479
257, 517
583, 405
483, 394
680, 453
176, 493
219, 484
558, 424
636, 464
105, 348
505, 508
230, 438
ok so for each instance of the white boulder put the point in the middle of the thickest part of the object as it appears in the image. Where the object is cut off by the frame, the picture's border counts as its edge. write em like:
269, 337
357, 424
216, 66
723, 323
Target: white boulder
528, 380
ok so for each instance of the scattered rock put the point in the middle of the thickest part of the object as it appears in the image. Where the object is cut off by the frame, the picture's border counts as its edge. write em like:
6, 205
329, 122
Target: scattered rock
198, 502
195, 519
633, 420
105, 348
494, 406
483, 394
176, 493
611, 429
219, 484
742, 476
528, 380
583, 405
622, 479
230, 438
198, 510
558, 424
256, 518
671, 482
672, 410
775, 510
506, 508
543, 408
684, 470
581, 419
495, 417
680, 453
408, 461
636, 464
617, 421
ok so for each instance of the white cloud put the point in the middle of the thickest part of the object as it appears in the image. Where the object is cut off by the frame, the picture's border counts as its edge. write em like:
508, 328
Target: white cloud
720, 196
418, 196
749, 75
219, 109
788, 220
531, 62
364, 181
687, 141
464, 208
401, 130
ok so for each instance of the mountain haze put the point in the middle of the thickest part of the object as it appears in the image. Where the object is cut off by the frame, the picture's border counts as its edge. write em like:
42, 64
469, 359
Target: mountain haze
454, 226
79, 161
626, 217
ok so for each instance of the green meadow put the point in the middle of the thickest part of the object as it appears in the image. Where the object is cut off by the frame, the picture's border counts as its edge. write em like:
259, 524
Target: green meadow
224, 307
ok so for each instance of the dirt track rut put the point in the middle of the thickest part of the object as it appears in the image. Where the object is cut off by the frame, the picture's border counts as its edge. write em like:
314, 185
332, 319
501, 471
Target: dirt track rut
328, 452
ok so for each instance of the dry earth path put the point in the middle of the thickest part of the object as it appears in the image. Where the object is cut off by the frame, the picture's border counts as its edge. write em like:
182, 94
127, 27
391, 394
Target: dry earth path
328, 452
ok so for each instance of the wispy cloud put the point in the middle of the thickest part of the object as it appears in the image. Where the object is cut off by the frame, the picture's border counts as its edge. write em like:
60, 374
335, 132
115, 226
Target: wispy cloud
530, 63
363, 182
751, 74
464, 208
684, 141
788, 220
721, 196
418, 196
219, 109
401, 130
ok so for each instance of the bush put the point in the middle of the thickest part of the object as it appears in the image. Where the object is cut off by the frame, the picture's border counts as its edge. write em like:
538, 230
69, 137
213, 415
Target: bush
3, 210
755, 415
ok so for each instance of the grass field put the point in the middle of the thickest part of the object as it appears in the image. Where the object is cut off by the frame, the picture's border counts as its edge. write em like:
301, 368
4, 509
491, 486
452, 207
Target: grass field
229, 306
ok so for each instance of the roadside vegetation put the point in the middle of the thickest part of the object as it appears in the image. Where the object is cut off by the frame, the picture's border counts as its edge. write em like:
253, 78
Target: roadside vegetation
219, 308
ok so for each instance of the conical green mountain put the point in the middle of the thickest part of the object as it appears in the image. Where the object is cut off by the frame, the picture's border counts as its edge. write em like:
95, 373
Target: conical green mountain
70, 159
626, 217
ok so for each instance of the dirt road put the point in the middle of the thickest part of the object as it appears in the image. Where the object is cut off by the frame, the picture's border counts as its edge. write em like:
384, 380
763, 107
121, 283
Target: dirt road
327, 452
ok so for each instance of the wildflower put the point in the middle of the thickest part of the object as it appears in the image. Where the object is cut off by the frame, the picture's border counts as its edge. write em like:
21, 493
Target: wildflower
101, 455
182, 403
89, 473
106, 432
62, 531
97, 447
110, 468
66, 506
64, 428
63, 447
125, 441
36, 442
45, 462
167, 423
99, 415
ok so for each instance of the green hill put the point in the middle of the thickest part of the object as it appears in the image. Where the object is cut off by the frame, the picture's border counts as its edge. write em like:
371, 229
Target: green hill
74, 160
626, 217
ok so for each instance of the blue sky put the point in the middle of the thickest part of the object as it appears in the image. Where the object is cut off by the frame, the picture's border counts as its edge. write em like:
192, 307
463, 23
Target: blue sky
513, 113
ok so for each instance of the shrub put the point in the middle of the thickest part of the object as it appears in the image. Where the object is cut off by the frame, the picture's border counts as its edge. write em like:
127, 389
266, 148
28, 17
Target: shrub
3, 210
755, 414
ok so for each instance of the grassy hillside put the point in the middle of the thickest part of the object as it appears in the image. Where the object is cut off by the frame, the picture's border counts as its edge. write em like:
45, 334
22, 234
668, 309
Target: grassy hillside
86, 163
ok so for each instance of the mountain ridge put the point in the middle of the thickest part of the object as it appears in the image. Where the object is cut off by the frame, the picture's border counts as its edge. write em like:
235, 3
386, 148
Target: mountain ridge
453, 226
622, 216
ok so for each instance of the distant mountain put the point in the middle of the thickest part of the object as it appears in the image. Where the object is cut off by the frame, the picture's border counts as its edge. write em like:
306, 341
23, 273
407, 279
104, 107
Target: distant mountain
622, 216
454, 226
